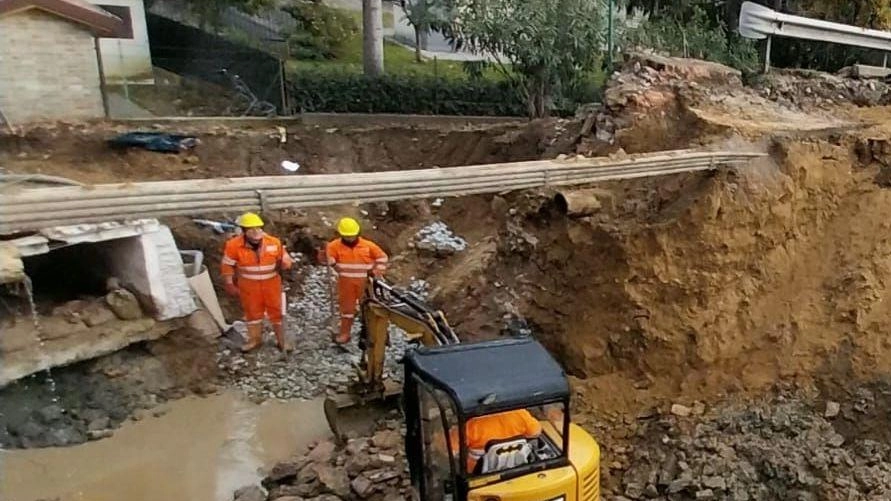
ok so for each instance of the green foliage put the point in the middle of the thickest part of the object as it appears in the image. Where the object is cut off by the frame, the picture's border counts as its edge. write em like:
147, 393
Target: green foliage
694, 34
208, 11
419, 94
411, 94
322, 31
549, 44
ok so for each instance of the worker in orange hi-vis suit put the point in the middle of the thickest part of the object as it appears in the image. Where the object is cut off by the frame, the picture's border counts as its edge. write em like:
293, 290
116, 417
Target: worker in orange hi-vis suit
352, 258
250, 269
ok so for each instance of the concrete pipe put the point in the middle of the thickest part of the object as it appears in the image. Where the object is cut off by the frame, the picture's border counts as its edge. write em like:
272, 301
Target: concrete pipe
582, 203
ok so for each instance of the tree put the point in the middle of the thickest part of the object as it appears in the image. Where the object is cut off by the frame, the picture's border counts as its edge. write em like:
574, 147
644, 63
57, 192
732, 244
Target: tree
209, 11
425, 16
543, 46
372, 37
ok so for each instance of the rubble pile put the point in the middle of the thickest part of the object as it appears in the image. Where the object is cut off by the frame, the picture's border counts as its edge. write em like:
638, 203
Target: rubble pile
438, 239
365, 468
784, 449
316, 365
809, 89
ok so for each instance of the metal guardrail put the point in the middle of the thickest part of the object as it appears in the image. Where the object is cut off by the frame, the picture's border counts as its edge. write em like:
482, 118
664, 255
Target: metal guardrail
759, 22
37, 208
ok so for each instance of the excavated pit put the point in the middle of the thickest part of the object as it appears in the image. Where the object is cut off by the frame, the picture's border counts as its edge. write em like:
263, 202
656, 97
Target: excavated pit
693, 312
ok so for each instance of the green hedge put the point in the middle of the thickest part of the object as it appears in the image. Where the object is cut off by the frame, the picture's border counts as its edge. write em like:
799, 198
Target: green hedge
425, 95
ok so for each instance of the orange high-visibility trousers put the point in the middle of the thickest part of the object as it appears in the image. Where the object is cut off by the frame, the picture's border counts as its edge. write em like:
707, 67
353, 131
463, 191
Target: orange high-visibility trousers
349, 291
259, 297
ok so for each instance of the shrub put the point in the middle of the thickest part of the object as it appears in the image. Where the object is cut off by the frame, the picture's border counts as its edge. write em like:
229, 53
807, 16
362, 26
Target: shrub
321, 31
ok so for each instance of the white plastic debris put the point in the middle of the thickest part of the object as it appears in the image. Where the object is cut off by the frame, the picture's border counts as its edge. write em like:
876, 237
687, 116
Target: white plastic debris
290, 166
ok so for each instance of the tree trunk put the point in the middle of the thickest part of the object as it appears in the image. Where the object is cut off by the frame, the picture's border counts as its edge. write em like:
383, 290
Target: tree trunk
418, 45
372, 37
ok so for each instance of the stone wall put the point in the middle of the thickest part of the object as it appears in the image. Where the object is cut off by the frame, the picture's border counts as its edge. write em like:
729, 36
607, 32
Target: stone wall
50, 68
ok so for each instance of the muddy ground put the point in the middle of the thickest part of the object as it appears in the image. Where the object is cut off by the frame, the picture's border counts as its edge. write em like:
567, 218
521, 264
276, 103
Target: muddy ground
703, 318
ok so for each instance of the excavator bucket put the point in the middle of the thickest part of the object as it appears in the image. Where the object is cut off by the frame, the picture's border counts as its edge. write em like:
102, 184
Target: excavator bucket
339, 407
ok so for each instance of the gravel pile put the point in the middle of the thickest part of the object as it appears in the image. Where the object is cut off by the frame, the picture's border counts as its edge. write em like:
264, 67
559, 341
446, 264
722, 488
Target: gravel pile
316, 365
438, 239
785, 449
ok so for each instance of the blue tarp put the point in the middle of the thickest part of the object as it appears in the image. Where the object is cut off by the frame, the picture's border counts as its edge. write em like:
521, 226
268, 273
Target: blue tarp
154, 141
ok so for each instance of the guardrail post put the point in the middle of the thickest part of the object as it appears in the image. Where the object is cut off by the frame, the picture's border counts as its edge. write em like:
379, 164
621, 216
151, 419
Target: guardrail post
885, 61
767, 56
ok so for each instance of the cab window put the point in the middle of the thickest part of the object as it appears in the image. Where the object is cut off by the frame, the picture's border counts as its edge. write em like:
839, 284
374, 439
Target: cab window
439, 448
503, 441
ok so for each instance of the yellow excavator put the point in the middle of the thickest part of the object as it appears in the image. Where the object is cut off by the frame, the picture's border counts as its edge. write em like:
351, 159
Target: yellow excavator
446, 384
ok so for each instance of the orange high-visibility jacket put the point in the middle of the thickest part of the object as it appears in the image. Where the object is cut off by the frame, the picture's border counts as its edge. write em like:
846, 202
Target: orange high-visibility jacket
356, 261
240, 257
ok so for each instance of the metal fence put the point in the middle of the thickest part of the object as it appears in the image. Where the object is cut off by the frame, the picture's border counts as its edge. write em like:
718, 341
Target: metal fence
250, 81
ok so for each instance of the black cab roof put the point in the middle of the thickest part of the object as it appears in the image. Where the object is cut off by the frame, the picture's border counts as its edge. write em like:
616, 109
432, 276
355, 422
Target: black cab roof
491, 376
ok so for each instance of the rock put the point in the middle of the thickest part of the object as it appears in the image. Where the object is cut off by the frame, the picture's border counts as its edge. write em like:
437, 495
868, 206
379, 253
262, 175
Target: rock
715, 483
285, 471
705, 494
250, 493
322, 453
357, 464
99, 434
832, 409
387, 439
681, 410
97, 314
679, 484
307, 475
362, 486
66, 436
386, 458
100, 423
123, 304
333, 479
293, 491
634, 490
50, 414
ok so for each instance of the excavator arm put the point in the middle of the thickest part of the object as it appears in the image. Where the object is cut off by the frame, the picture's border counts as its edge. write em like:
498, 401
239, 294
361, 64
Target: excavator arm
383, 305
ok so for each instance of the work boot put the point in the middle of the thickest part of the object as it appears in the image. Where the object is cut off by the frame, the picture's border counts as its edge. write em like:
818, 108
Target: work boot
280, 341
255, 337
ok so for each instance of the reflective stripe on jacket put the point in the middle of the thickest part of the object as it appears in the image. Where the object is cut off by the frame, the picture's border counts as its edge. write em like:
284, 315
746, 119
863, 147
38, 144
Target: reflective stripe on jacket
260, 264
355, 261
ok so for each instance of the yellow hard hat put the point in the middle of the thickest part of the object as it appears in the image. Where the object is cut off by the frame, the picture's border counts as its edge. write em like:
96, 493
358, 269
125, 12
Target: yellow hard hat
348, 227
249, 220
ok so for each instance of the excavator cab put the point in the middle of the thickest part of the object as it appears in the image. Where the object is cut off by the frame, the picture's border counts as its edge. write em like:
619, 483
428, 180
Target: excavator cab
445, 387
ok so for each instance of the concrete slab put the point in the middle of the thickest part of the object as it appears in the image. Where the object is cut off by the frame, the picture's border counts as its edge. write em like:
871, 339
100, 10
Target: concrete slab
865, 71
30, 357
12, 269
99, 232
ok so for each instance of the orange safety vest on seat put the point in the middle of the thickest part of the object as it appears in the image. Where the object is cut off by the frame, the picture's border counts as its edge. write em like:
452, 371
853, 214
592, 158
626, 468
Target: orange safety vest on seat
479, 431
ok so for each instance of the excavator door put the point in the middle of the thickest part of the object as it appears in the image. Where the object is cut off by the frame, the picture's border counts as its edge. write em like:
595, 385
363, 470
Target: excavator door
429, 415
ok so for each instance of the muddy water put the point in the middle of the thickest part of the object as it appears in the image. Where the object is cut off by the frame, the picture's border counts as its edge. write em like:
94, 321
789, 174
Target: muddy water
201, 450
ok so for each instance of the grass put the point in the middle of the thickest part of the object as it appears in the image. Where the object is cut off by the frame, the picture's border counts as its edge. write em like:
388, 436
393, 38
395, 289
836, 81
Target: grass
398, 60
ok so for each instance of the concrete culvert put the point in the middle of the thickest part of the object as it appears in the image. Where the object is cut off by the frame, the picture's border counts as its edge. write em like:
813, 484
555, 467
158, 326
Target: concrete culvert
582, 203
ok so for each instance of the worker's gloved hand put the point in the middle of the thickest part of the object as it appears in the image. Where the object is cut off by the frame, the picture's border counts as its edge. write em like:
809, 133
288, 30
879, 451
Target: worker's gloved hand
231, 289
376, 273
